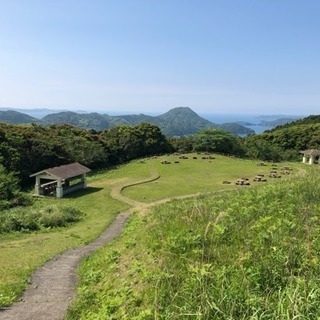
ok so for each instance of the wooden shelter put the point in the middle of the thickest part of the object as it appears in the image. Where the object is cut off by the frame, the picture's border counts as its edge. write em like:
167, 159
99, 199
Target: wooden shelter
311, 156
61, 180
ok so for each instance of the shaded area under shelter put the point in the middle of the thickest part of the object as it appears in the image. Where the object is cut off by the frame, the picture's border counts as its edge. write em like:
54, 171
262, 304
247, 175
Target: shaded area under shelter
311, 156
61, 180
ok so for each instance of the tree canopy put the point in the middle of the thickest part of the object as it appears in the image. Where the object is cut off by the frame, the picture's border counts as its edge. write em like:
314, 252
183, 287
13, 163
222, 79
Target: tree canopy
217, 140
28, 149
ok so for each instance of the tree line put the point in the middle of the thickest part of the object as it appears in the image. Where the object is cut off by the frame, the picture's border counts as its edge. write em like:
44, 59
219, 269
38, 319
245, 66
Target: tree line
32, 148
29, 149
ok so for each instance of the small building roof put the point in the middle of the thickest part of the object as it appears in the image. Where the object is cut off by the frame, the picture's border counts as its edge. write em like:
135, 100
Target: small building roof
64, 172
311, 152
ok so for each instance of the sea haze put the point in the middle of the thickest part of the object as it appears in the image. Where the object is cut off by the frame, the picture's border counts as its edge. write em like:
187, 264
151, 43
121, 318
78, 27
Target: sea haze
252, 121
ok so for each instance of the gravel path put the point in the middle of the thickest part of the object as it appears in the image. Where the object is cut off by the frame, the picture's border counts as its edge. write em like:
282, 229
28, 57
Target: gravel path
53, 286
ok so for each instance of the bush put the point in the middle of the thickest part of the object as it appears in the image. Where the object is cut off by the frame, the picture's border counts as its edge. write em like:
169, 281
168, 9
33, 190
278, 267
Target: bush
26, 220
53, 216
10, 194
18, 219
21, 200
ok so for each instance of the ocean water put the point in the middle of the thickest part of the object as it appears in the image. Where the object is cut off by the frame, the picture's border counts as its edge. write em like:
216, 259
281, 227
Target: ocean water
253, 119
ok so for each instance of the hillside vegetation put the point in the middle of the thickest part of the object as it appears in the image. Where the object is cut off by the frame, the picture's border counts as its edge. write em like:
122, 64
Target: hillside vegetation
228, 255
277, 122
29, 149
251, 254
55, 225
307, 120
15, 117
176, 122
285, 142
25, 149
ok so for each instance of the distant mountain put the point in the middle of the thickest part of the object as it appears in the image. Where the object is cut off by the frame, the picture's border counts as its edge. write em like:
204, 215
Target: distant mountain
133, 119
236, 127
277, 122
271, 117
94, 120
15, 117
36, 112
183, 121
179, 121
176, 122
245, 123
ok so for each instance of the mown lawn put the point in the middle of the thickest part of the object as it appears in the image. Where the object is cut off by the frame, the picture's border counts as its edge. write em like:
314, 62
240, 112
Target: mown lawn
197, 175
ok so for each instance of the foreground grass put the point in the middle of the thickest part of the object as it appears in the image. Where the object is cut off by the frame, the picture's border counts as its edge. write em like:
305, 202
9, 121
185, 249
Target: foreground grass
250, 254
21, 253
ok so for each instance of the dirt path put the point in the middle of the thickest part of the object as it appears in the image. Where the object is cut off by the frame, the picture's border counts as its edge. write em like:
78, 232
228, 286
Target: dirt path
53, 286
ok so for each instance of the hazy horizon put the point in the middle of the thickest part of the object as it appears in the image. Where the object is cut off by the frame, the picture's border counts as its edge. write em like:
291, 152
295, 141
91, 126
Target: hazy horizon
154, 112
228, 56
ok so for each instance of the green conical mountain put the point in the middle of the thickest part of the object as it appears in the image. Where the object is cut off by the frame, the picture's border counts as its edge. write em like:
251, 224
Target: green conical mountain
183, 121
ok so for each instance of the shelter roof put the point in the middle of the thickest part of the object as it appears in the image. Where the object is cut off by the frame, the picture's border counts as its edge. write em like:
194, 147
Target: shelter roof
64, 172
311, 152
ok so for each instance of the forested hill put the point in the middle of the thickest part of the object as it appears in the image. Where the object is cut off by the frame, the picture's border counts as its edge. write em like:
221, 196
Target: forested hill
285, 142
15, 117
277, 122
313, 119
94, 121
176, 122
183, 121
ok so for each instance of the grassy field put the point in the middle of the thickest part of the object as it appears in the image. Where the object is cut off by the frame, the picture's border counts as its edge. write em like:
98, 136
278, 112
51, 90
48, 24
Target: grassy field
249, 254
196, 175
21, 253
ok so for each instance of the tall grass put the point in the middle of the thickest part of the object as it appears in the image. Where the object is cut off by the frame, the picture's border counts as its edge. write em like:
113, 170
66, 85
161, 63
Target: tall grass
31, 219
251, 254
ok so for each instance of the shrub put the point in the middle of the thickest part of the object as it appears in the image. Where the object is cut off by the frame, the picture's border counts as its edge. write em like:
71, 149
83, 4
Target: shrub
10, 194
18, 219
26, 219
53, 216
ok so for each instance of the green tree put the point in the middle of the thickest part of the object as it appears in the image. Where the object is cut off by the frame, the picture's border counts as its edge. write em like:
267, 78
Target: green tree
125, 142
262, 150
10, 194
217, 140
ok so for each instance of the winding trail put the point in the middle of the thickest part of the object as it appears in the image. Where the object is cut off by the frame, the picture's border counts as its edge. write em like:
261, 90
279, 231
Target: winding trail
53, 286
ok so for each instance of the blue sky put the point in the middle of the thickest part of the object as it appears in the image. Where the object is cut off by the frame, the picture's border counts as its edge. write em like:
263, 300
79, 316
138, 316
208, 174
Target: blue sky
215, 56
